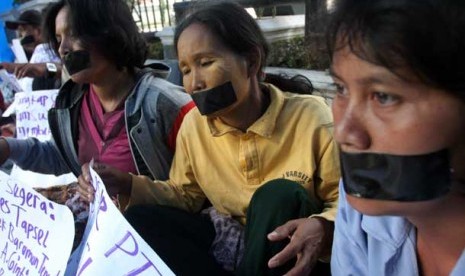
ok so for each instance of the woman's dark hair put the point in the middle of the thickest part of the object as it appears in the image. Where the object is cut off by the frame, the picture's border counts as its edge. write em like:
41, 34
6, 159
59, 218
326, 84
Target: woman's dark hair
48, 24
231, 23
239, 32
299, 84
424, 37
104, 25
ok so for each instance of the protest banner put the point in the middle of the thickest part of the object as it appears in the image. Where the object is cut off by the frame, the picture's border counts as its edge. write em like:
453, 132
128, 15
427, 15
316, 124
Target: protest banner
32, 121
36, 235
110, 246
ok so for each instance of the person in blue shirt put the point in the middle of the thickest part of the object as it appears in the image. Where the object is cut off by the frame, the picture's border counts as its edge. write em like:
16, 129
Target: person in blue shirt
399, 115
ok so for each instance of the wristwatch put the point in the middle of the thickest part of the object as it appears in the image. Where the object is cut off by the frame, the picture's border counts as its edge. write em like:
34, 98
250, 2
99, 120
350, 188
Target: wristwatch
51, 70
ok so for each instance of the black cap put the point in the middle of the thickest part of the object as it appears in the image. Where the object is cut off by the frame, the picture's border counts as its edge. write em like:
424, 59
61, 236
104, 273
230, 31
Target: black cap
30, 17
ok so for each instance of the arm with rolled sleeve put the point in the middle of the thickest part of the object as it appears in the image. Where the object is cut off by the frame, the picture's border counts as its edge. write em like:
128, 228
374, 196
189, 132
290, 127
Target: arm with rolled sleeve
326, 178
34, 155
327, 174
181, 190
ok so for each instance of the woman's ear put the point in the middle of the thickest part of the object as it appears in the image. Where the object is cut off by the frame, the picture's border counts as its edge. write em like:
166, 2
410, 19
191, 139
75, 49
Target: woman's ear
254, 62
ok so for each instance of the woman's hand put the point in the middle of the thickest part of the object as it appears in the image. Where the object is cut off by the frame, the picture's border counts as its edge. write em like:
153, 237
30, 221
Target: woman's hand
32, 70
116, 181
85, 188
307, 237
4, 150
7, 130
10, 67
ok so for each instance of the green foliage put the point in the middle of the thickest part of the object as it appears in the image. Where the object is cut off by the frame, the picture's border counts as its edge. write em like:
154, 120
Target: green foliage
295, 53
288, 53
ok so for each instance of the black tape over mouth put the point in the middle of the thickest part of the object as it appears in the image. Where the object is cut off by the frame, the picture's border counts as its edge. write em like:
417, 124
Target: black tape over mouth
76, 61
215, 99
396, 177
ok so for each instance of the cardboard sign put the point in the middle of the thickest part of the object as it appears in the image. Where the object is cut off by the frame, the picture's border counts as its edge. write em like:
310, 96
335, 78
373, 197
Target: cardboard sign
36, 235
32, 121
110, 246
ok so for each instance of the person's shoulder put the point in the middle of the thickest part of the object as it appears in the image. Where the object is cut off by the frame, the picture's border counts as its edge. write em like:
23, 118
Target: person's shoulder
298, 98
43, 53
193, 117
308, 106
194, 126
305, 100
152, 83
159, 95
41, 47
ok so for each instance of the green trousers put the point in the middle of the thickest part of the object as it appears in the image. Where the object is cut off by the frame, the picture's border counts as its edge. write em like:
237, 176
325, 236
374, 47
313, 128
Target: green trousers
183, 239
272, 205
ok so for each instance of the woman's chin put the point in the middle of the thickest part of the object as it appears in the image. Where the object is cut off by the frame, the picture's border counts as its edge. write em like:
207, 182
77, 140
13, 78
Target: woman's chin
370, 207
79, 78
376, 207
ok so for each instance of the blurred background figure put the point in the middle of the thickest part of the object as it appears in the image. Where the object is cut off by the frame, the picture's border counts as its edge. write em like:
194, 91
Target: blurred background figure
111, 109
42, 72
44, 65
6, 54
28, 27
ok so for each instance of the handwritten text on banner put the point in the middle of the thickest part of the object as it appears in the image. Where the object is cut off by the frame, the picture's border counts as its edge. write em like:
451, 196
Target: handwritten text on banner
36, 235
32, 121
110, 246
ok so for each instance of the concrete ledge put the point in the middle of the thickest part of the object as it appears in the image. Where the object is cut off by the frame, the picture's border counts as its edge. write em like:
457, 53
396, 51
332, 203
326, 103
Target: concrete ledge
282, 27
321, 80
274, 28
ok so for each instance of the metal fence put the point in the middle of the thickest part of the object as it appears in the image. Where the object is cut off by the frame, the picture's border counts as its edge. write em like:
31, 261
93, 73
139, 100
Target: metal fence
153, 15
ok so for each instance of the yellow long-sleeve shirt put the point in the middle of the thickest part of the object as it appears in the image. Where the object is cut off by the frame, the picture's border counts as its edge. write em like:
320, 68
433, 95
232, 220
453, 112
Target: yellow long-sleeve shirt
293, 140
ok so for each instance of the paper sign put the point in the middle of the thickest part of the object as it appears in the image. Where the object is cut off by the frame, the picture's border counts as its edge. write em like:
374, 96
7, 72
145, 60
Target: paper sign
18, 50
36, 235
9, 86
110, 246
26, 83
32, 121
32, 113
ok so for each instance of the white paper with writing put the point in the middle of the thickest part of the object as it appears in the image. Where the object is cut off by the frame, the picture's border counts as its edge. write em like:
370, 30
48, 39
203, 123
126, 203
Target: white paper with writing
26, 83
18, 50
36, 235
9, 86
110, 246
32, 121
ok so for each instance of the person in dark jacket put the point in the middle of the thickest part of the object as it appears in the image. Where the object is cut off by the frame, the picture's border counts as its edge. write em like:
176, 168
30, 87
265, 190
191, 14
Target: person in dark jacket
124, 118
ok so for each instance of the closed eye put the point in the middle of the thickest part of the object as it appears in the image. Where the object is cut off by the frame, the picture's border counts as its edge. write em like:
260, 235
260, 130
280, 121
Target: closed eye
206, 63
185, 71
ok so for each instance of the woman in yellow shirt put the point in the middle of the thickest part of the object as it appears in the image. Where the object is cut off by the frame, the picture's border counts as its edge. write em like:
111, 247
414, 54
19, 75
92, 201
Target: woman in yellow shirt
264, 159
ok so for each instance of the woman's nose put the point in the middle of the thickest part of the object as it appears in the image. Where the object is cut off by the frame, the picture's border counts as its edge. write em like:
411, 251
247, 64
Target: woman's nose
350, 128
197, 82
63, 49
